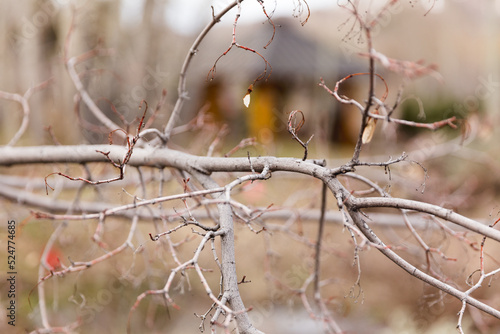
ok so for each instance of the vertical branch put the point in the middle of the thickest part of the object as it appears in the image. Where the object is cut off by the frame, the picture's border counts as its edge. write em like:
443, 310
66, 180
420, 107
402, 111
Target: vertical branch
228, 260
42, 304
317, 263
331, 324
44, 265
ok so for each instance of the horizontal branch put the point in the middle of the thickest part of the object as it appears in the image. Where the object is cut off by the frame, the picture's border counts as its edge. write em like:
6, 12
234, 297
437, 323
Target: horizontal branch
156, 157
164, 157
117, 209
446, 214
22, 197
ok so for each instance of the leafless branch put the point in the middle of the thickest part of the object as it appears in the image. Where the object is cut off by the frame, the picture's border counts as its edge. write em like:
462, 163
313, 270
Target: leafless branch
205, 192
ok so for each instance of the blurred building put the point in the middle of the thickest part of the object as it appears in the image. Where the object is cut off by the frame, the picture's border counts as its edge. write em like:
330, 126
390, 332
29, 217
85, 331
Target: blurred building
463, 40
285, 68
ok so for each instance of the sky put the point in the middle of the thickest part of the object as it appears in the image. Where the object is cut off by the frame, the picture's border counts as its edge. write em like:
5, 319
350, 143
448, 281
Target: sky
190, 16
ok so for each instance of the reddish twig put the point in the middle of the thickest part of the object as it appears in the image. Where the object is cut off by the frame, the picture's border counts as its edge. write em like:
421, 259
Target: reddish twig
261, 2
380, 105
267, 69
131, 142
299, 10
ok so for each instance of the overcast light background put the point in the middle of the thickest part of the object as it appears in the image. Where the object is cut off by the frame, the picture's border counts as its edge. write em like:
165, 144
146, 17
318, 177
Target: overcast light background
190, 16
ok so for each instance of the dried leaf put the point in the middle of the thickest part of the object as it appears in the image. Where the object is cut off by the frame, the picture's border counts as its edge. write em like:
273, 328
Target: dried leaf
369, 130
246, 100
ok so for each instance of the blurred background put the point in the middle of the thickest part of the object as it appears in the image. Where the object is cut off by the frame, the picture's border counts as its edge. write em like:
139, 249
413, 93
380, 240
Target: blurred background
150, 39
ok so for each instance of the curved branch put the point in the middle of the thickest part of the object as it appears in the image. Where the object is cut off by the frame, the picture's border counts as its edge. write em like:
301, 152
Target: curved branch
26, 113
70, 65
446, 214
23, 100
